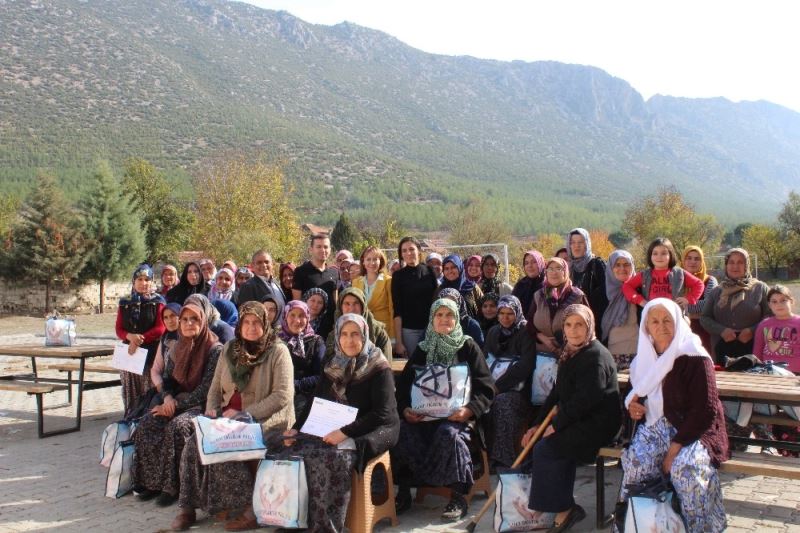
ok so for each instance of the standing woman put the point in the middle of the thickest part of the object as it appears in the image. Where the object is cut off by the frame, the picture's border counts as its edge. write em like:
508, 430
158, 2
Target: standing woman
253, 377
286, 274
512, 410
160, 436
586, 395
376, 284
619, 324
357, 375
139, 325
533, 269
306, 348
694, 262
734, 308
169, 278
683, 433
317, 301
192, 282
472, 268
456, 278
224, 285
438, 453
412, 292
490, 281
243, 275
587, 271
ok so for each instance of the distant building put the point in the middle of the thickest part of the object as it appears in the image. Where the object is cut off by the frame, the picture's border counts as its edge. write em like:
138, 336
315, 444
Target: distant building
313, 229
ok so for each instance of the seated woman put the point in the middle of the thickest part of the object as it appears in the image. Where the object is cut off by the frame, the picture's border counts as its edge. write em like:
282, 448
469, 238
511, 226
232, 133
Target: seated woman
306, 348
586, 396
683, 434
360, 376
352, 300
777, 337
317, 301
455, 277
487, 312
469, 325
160, 436
219, 328
619, 325
191, 282
253, 377
169, 315
512, 410
438, 453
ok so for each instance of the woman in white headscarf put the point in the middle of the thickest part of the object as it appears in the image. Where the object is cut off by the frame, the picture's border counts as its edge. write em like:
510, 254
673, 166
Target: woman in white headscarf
683, 431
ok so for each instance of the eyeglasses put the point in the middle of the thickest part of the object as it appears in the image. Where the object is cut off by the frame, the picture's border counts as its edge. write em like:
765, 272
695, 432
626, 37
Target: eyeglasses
189, 320
554, 269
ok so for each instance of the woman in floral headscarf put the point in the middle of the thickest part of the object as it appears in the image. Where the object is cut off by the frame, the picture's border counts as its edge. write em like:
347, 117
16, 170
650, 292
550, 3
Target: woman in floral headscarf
306, 348
139, 325
438, 453
317, 301
490, 280
469, 325
253, 380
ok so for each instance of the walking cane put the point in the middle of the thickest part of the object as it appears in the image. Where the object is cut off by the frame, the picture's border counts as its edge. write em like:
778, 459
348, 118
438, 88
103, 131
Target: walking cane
536, 436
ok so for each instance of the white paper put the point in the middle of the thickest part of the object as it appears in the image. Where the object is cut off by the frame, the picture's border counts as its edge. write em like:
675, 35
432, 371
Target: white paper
124, 361
327, 416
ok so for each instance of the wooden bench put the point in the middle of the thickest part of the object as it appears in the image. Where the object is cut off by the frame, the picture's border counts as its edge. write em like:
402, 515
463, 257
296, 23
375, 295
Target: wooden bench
89, 367
39, 389
752, 464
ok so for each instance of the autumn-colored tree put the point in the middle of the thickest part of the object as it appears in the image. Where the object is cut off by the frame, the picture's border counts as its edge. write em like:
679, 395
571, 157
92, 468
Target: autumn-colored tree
474, 223
247, 201
547, 243
601, 244
774, 248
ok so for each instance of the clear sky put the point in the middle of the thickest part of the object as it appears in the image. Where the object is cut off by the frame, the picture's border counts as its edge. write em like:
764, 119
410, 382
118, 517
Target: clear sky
742, 50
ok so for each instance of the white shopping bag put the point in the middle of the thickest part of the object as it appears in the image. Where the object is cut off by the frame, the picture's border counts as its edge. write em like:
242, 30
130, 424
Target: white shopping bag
280, 495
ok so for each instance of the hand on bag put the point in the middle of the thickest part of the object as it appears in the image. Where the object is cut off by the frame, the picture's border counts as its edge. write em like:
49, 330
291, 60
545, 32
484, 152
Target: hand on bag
211, 413
230, 413
728, 335
289, 433
334, 437
412, 417
746, 335
462, 415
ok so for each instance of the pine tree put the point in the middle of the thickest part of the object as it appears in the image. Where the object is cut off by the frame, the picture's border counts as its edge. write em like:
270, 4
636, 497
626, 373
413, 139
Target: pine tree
344, 235
113, 231
46, 243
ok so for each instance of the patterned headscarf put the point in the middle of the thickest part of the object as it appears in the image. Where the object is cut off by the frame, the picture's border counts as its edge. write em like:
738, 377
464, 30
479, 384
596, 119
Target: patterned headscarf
479, 260
458, 299
245, 355
617, 311
735, 290
439, 347
512, 302
553, 293
295, 343
215, 293
461, 284
143, 270
490, 284
315, 323
191, 354
568, 350
579, 263
343, 369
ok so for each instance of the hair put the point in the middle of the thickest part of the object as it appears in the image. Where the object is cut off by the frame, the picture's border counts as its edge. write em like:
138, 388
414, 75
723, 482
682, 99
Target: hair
562, 250
371, 249
666, 243
405, 240
318, 237
258, 252
780, 289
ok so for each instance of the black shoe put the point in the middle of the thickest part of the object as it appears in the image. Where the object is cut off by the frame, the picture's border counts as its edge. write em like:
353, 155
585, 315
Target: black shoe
402, 501
575, 515
456, 509
144, 495
165, 500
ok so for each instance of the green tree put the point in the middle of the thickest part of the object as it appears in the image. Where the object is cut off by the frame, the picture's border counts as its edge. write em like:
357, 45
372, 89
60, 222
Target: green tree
115, 239
474, 223
773, 247
789, 216
734, 237
345, 235
167, 225
666, 214
9, 205
45, 244
250, 200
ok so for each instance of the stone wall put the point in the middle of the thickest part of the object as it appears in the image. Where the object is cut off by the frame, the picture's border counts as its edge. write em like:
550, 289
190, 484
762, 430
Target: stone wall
74, 299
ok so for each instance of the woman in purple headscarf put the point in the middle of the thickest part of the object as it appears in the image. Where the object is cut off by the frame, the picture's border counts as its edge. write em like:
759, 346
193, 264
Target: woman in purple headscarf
306, 348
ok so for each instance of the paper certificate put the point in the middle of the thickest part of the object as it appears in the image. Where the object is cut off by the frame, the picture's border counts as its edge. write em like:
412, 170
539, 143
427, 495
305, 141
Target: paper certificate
327, 416
131, 363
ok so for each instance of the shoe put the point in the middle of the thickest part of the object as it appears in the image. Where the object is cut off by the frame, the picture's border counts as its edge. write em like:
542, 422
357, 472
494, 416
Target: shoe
145, 494
165, 500
185, 519
402, 501
456, 509
245, 522
575, 515
222, 516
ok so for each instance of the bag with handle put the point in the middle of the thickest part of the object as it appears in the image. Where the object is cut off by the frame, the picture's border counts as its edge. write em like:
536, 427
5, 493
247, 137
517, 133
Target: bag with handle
220, 440
653, 506
114, 434
280, 495
544, 377
439, 390
511, 511
59, 331
119, 480
498, 366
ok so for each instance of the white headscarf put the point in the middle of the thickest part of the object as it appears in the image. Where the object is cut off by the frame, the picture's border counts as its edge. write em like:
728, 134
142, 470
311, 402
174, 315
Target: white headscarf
649, 369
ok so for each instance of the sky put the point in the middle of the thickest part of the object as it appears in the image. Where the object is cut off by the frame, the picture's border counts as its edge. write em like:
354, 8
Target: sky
740, 50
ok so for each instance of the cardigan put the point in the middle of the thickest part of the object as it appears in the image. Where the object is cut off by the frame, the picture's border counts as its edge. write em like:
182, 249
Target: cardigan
521, 344
197, 397
747, 314
624, 339
268, 395
412, 296
380, 301
541, 320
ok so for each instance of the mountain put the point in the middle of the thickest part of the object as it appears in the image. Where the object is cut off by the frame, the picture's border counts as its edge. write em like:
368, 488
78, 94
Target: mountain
365, 122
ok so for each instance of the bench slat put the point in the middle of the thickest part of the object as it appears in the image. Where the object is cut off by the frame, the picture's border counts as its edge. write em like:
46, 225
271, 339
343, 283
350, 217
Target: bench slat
31, 387
90, 367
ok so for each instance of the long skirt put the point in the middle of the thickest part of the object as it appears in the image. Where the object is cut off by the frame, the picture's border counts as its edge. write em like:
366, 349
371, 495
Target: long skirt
217, 487
434, 454
506, 423
328, 472
695, 479
552, 480
158, 444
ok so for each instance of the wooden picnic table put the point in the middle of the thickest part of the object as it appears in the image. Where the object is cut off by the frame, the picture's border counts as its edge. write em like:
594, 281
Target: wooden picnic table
33, 383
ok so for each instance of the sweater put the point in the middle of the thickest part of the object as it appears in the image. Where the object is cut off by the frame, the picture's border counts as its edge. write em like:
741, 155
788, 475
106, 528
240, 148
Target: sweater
624, 339
379, 301
520, 344
662, 285
747, 314
412, 296
547, 323
694, 310
779, 340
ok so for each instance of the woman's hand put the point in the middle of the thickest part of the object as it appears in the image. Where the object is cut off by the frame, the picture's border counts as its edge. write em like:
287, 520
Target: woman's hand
411, 416
167, 408
683, 302
746, 335
211, 413
636, 409
230, 413
728, 335
462, 415
334, 437
549, 342
529, 435
289, 433
399, 349
672, 452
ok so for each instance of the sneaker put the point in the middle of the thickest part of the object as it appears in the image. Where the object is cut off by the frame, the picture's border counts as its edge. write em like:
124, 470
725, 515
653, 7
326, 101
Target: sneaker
165, 500
456, 509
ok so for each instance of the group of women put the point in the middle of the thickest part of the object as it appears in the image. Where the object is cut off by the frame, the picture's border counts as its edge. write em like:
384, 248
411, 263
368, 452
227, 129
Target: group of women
580, 316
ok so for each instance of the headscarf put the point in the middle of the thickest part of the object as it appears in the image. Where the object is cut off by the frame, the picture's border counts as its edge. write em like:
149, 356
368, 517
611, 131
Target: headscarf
579, 264
373, 324
296, 343
472, 258
649, 369
461, 284
442, 348
735, 290
484, 322
215, 293
454, 295
164, 289
179, 292
143, 270
270, 298
490, 284
526, 286
227, 311
342, 369
617, 311
567, 351
556, 294
316, 322
511, 302
245, 355
702, 274
176, 310
244, 271
191, 354
286, 292
209, 310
